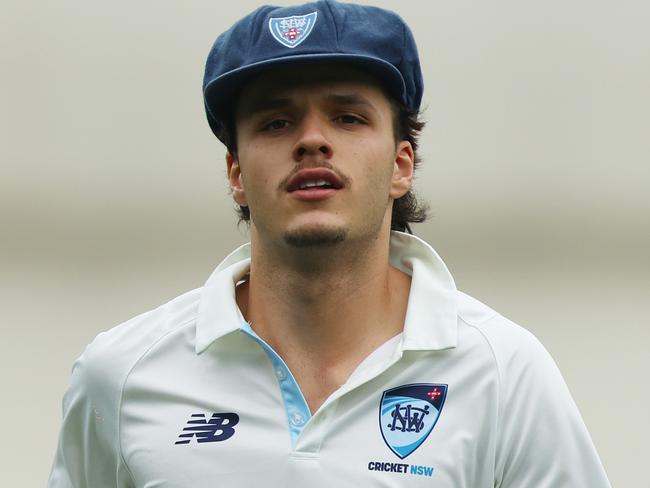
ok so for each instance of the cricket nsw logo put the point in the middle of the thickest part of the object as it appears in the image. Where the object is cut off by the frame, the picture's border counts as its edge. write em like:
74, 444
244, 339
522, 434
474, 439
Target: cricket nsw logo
291, 31
408, 413
219, 427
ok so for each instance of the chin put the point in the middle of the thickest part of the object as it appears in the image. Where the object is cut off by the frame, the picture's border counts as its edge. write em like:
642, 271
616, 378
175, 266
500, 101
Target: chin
315, 237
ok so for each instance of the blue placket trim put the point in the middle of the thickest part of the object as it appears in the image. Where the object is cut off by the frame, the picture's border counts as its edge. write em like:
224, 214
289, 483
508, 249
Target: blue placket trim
295, 405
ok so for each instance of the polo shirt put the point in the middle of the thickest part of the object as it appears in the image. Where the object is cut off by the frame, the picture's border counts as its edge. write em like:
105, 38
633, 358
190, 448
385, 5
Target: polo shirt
187, 395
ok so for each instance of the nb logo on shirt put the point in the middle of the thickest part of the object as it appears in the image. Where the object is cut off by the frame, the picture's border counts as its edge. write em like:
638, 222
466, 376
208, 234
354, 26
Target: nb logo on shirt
219, 428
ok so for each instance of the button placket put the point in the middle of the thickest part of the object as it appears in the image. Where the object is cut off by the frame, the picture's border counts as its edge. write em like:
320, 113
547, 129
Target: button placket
280, 373
296, 408
297, 419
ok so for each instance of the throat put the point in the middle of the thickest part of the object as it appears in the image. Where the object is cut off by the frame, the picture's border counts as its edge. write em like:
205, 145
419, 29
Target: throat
323, 322
324, 330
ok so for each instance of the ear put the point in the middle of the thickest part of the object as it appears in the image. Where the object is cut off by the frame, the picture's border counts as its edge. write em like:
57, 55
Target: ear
235, 180
402, 170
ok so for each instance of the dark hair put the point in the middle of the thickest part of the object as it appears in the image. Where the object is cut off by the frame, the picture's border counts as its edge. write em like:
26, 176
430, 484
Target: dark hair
407, 127
407, 209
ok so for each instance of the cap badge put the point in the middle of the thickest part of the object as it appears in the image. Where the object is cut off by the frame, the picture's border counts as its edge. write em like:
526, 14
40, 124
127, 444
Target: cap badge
291, 31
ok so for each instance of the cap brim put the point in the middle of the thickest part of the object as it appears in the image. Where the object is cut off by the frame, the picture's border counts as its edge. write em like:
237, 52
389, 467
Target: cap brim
221, 93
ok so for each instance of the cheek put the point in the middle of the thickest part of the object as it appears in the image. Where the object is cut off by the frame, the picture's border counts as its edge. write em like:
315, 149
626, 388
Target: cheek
378, 168
256, 184
255, 169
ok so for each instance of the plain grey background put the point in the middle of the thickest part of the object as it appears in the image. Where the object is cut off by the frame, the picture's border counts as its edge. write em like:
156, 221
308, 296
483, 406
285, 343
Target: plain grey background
113, 198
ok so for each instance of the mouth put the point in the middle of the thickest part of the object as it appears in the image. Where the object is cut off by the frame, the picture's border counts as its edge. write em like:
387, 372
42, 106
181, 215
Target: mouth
314, 184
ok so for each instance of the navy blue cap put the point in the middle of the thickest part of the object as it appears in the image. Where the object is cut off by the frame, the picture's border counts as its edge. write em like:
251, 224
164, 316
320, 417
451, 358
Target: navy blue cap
376, 40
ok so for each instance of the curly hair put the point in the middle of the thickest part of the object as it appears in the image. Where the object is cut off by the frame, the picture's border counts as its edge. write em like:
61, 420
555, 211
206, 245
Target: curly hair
406, 127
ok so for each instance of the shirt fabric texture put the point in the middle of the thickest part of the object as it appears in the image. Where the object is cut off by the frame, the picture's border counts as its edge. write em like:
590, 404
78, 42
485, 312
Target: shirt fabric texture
187, 395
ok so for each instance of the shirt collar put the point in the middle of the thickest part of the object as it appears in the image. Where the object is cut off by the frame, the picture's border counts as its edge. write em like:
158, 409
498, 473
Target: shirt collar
432, 312
431, 315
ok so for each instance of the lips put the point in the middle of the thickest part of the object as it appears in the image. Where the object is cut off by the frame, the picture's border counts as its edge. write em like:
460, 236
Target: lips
314, 179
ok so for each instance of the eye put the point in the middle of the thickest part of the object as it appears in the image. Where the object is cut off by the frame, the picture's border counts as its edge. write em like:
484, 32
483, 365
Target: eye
350, 119
277, 124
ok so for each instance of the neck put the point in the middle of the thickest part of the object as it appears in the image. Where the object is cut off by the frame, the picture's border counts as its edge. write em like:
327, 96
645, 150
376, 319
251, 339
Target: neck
325, 309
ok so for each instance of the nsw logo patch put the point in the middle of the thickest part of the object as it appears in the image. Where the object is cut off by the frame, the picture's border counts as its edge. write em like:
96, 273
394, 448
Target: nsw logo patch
291, 31
408, 413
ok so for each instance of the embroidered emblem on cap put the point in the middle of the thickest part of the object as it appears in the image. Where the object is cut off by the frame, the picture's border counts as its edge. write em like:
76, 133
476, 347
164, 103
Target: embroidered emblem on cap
291, 31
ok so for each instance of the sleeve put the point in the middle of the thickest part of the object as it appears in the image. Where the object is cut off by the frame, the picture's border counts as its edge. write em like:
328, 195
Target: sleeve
542, 441
88, 453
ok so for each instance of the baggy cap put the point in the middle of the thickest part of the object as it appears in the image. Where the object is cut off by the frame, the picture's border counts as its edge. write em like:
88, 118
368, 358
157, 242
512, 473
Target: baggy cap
371, 38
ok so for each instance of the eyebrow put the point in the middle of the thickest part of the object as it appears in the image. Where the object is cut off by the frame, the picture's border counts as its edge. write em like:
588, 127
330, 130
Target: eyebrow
353, 99
265, 104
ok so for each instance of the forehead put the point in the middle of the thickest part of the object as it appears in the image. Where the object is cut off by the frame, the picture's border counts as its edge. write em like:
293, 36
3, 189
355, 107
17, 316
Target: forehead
312, 78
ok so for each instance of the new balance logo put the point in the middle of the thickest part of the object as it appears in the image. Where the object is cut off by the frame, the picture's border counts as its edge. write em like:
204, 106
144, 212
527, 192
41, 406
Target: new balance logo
219, 428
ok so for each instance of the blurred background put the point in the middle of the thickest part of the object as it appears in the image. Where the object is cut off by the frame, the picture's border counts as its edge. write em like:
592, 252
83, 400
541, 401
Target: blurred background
536, 155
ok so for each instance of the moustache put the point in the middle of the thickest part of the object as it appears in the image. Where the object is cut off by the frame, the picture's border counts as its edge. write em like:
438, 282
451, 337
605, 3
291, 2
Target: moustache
322, 164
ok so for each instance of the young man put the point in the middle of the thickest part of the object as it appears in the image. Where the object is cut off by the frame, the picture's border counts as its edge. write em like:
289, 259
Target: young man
333, 350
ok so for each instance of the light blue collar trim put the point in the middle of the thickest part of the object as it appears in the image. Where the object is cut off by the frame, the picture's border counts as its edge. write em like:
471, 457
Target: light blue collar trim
295, 405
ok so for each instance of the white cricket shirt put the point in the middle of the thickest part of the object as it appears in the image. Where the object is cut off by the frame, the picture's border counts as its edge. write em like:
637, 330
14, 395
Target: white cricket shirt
187, 395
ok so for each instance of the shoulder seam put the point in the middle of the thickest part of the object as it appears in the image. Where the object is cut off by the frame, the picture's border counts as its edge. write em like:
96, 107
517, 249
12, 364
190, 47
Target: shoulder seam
480, 322
126, 377
473, 323
496, 363
487, 340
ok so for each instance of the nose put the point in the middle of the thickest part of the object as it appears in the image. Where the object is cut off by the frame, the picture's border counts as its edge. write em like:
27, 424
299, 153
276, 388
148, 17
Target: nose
312, 140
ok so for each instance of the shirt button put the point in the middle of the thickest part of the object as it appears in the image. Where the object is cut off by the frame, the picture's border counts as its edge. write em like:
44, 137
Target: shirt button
297, 419
280, 373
